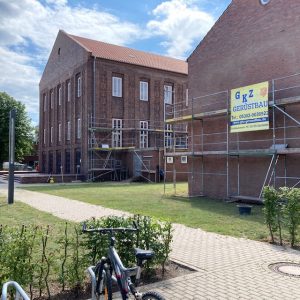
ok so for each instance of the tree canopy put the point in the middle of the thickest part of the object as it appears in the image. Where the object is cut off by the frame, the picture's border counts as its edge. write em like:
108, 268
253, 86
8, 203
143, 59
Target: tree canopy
23, 128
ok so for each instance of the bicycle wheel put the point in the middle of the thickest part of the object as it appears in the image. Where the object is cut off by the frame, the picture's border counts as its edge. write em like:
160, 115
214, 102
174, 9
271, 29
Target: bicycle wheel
107, 286
152, 295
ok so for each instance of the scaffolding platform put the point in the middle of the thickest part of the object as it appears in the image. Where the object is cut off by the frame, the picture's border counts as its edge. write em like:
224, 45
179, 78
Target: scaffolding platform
248, 152
246, 199
198, 116
220, 112
285, 101
289, 151
196, 153
112, 149
204, 140
102, 169
253, 152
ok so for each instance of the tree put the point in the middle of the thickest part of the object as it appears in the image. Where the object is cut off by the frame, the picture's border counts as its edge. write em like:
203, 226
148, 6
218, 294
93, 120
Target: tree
23, 127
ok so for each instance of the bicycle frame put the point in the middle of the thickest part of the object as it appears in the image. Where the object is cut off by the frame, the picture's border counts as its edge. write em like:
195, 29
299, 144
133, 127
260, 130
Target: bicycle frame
114, 264
122, 274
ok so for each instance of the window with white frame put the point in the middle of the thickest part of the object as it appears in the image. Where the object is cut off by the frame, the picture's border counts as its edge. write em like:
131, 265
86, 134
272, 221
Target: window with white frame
78, 86
51, 134
59, 132
144, 90
117, 125
170, 160
168, 94
69, 91
44, 138
52, 100
45, 103
144, 141
183, 159
59, 95
68, 130
181, 142
168, 136
79, 128
117, 86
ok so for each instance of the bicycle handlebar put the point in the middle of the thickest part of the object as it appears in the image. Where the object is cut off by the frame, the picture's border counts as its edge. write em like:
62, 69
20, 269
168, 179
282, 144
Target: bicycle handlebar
109, 230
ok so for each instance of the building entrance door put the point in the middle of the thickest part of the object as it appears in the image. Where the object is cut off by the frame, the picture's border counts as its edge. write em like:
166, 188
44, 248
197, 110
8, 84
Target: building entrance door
137, 165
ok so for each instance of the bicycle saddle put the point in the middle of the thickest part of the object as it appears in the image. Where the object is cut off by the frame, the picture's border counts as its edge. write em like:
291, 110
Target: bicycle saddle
143, 254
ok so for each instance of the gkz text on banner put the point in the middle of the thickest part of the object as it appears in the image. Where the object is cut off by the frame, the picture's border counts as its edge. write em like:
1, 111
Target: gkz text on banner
250, 108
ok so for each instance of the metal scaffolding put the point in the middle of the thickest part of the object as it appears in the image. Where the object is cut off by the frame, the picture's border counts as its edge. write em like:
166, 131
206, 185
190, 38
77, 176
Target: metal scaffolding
110, 139
280, 141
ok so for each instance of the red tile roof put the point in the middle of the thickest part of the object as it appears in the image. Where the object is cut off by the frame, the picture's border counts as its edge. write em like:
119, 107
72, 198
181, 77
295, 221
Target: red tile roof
131, 56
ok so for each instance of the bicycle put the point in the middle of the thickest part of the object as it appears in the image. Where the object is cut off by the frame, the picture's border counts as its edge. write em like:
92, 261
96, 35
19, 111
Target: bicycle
111, 269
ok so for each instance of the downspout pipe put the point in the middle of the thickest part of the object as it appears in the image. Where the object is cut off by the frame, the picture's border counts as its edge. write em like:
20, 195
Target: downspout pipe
93, 123
94, 92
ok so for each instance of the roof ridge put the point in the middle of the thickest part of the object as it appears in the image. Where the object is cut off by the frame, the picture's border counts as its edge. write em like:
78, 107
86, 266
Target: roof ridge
126, 47
128, 55
78, 42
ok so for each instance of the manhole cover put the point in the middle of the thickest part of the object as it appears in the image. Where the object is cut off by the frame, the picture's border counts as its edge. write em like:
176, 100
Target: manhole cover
286, 268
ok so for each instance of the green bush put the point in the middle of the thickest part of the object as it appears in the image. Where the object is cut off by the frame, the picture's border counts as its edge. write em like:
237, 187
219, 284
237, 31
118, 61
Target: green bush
270, 210
291, 211
152, 234
282, 211
16, 248
34, 257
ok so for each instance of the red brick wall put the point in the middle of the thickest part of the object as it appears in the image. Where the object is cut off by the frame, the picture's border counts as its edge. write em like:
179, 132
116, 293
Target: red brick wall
66, 67
250, 43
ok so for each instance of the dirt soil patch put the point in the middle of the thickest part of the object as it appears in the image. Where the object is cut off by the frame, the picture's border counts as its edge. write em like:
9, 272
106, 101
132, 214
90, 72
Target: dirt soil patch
172, 270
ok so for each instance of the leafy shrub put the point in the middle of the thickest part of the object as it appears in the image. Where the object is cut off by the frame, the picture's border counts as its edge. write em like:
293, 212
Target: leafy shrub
152, 234
270, 209
282, 210
29, 256
291, 211
16, 248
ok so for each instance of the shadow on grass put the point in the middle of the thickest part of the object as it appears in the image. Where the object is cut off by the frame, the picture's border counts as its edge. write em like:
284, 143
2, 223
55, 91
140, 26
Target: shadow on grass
221, 207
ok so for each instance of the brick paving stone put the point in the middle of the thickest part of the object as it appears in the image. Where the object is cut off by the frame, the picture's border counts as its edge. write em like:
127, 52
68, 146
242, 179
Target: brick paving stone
227, 267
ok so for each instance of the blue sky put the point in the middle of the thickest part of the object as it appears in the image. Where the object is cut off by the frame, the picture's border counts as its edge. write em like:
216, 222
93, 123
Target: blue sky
28, 29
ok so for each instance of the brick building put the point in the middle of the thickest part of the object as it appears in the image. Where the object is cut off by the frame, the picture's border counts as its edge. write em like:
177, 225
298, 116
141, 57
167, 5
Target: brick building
252, 42
102, 109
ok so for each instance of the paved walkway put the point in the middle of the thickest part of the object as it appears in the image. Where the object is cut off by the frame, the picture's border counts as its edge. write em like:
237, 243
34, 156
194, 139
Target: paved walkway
227, 267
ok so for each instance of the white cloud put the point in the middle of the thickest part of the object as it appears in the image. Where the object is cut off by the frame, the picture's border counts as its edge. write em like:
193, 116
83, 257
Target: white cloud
28, 29
181, 23
19, 79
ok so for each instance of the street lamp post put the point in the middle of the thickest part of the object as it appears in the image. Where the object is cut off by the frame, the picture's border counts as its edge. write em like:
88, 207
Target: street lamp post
11, 180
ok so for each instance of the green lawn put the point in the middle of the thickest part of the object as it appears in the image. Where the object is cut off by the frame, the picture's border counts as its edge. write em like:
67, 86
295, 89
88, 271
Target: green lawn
21, 214
148, 199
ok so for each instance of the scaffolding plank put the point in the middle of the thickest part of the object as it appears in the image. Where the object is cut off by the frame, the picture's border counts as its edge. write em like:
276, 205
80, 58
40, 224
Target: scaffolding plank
285, 101
149, 171
247, 199
179, 119
248, 152
289, 151
112, 149
212, 113
196, 153
252, 152
146, 149
103, 169
198, 116
108, 129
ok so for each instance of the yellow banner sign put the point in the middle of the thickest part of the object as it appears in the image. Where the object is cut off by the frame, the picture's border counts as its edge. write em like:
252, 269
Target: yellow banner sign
250, 108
